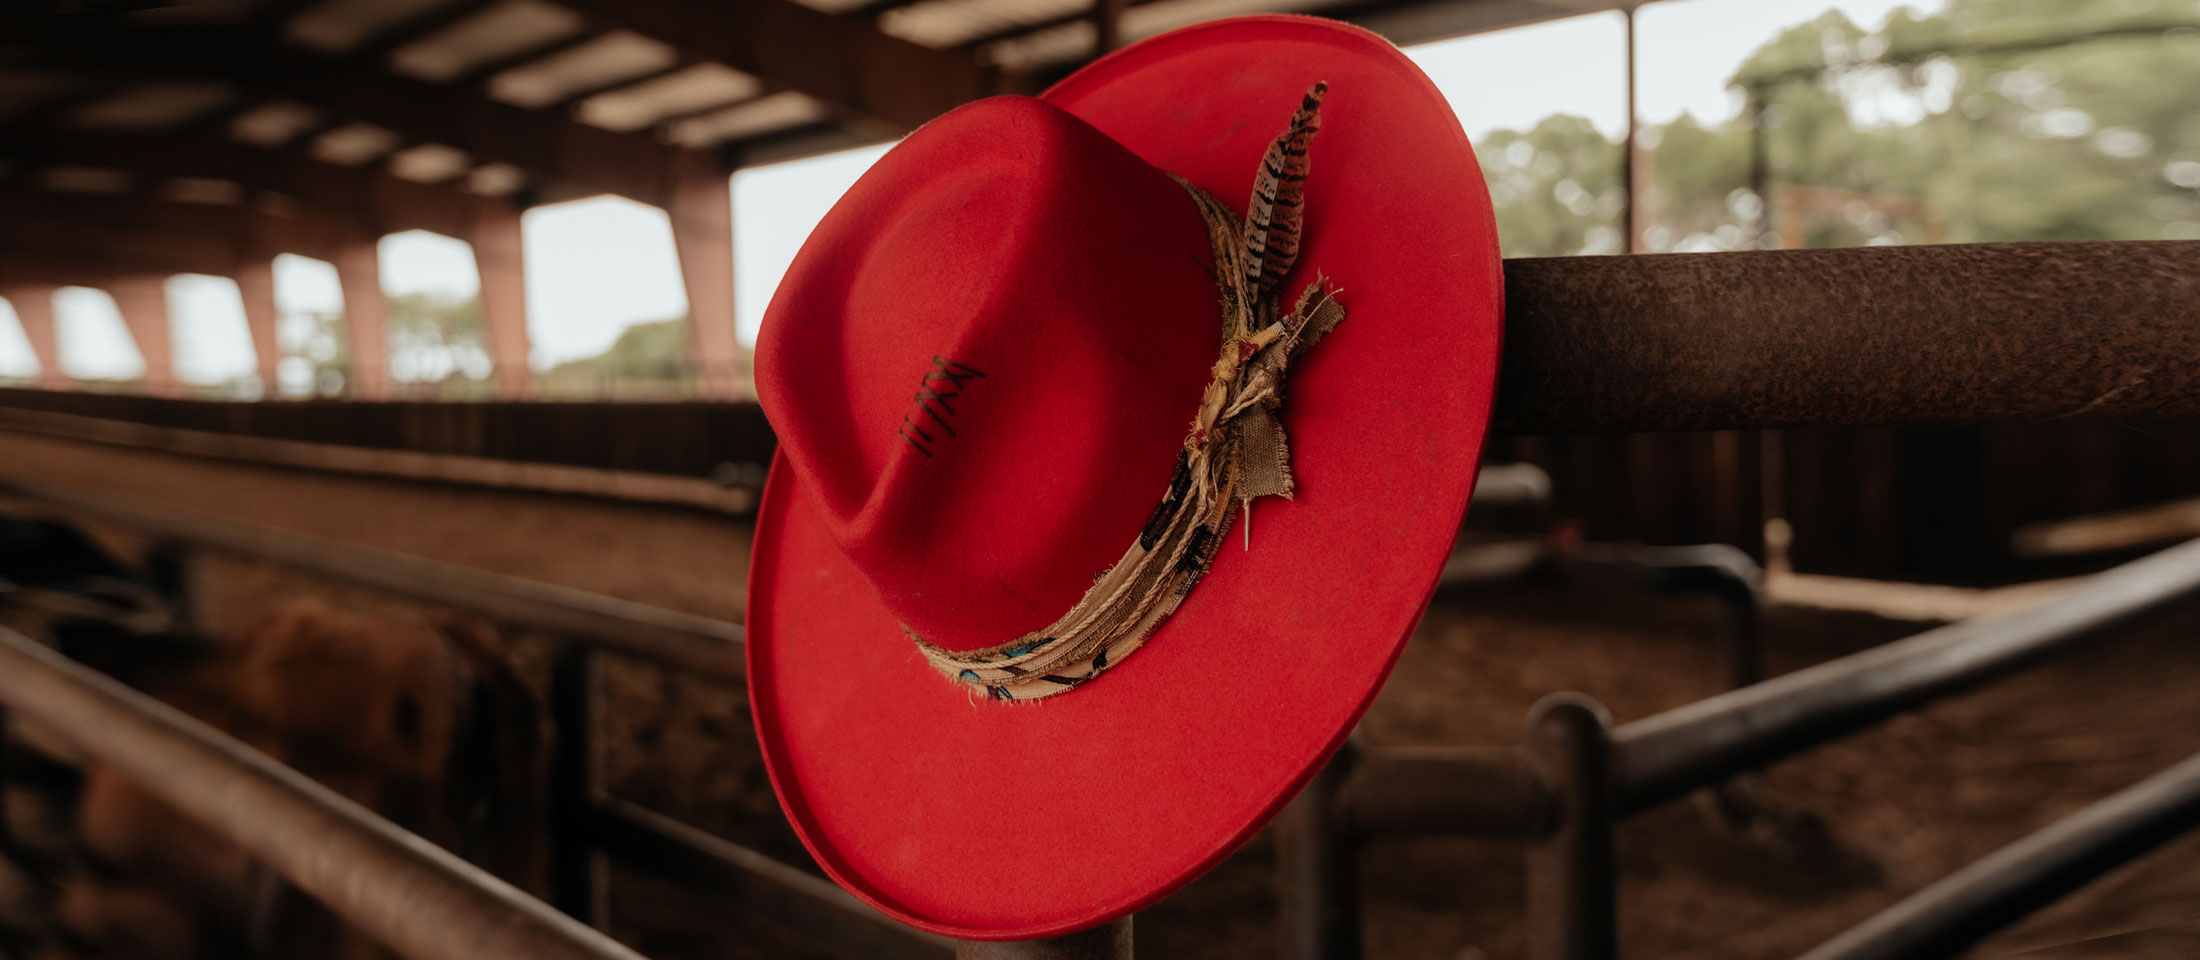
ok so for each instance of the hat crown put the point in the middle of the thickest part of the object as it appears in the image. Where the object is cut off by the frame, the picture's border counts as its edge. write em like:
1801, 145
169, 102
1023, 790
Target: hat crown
985, 360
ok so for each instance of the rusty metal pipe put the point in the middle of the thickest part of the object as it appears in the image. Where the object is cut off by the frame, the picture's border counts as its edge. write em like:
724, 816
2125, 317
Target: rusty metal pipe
1945, 919
1959, 333
410, 895
697, 644
1662, 757
826, 915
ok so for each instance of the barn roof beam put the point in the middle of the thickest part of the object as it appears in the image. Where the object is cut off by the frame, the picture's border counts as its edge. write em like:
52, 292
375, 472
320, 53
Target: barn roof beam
32, 271
140, 231
634, 165
369, 197
843, 61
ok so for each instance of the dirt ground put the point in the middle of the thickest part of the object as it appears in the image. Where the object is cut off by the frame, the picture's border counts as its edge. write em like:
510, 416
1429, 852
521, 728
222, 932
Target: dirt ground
1868, 820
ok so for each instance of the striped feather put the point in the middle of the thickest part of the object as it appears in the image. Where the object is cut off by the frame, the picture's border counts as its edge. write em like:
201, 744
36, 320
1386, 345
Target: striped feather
1274, 215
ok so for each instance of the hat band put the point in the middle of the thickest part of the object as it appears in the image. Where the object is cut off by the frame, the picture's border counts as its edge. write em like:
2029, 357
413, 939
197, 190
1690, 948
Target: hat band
1236, 451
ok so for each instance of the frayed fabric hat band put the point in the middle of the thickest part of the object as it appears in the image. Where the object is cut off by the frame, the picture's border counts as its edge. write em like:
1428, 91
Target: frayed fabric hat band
1235, 453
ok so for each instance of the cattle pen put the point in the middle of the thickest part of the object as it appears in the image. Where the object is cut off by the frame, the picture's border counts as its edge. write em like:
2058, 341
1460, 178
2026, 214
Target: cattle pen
1882, 336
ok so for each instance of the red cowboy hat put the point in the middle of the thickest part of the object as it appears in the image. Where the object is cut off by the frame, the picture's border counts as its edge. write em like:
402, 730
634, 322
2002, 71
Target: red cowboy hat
1025, 381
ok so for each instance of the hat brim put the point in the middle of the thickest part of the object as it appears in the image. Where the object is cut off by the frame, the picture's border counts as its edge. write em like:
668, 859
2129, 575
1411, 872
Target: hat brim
984, 820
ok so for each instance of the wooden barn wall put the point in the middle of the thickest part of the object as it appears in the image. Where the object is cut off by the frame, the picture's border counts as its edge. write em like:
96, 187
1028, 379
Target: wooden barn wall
1934, 504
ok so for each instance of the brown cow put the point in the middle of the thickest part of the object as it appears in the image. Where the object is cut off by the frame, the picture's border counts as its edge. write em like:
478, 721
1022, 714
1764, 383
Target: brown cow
419, 720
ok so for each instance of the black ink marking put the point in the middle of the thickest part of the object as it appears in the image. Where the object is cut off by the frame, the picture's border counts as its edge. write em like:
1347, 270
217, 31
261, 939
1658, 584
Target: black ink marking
903, 431
943, 382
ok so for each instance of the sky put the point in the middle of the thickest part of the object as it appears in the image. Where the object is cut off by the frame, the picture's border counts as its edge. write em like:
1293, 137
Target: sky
596, 266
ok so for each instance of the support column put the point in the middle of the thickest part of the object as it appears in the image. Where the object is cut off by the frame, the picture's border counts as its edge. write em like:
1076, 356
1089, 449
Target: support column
256, 285
366, 315
702, 232
143, 302
34, 310
499, 260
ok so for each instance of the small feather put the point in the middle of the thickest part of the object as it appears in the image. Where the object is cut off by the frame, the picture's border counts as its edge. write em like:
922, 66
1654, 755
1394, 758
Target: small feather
1274, 215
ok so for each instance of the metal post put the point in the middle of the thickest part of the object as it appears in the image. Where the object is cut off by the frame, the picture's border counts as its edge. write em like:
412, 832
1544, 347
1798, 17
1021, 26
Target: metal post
1572, 906
1110, 942
579, 881
1731, 574
1317, 870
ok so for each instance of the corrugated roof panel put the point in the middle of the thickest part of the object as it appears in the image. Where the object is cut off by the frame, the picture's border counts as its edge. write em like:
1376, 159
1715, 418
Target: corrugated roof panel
429, 163
607, 59
779, 111
1074, 41
833, 6
339, 26
153, 105
495, 179
696, 88
502, 30
273, 123
949, 23
354, 143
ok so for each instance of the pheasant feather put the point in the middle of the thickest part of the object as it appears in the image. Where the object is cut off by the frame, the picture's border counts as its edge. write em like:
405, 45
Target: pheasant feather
1276, 212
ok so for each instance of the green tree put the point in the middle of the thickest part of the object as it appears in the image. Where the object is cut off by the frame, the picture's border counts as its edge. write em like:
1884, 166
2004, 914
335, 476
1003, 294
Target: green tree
1992, 120
1556, 188
648, 360
316, 351
439, 346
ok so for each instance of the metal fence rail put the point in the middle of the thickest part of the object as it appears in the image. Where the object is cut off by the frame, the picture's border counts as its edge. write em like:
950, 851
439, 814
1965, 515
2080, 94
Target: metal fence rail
1854, 336
701, 644
1565, 790
413, 896
1946, 918
587, 825
1665, 756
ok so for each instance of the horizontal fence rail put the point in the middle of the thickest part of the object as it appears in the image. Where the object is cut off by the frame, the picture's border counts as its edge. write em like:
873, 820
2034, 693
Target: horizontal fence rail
1665, 756
1981, 899
405, 892
707, 646
826, 914
1961, 333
